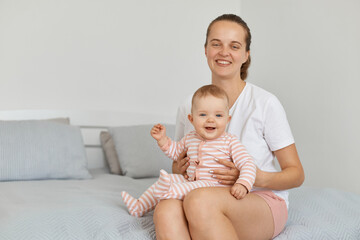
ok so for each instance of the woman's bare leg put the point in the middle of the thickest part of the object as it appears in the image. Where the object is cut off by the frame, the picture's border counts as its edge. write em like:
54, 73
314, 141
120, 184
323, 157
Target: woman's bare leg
213, 213
170, 221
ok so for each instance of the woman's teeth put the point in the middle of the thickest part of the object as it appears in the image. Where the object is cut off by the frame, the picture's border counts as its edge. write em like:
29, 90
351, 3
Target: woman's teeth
223, 62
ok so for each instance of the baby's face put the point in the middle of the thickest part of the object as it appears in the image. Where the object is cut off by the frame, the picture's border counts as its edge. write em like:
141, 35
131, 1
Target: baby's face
210, 115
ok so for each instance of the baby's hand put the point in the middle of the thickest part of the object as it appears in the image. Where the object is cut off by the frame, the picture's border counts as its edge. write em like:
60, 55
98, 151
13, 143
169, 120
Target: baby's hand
238, 190
158, 132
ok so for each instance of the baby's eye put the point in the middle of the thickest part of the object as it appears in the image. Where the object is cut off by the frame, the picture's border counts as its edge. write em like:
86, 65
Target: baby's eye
219, 115
202, 114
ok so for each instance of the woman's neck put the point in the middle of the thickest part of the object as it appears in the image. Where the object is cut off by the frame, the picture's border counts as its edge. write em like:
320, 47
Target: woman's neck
233, 87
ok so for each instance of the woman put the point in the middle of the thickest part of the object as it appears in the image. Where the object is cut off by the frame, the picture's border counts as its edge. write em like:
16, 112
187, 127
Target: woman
259, 120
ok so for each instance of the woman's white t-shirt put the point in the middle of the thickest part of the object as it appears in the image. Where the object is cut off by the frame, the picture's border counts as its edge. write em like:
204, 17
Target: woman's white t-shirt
258, 120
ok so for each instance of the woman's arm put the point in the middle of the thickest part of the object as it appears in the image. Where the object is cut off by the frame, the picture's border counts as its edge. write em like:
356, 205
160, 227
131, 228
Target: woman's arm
291, 174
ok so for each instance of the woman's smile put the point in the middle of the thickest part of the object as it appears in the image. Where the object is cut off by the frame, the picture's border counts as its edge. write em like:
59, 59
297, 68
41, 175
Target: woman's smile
223, 62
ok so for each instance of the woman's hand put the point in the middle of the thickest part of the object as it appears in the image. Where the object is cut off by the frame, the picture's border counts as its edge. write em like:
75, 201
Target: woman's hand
180, 166
227, 177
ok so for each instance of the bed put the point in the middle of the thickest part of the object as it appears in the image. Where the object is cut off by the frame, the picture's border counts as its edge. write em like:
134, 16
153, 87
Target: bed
85, 202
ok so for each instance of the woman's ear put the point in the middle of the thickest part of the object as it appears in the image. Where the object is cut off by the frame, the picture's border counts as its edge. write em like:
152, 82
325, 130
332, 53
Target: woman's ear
247, 55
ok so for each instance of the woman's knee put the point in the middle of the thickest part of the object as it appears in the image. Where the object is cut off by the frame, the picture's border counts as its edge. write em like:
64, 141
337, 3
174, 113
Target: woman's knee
168, 209
198, 204
170, 220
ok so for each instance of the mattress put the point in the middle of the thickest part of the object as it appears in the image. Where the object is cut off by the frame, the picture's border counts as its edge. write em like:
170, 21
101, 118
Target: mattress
72, 209
93, 209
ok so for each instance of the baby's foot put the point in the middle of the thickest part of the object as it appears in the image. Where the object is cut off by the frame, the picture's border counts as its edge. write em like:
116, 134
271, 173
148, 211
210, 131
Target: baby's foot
163, 184
132, 204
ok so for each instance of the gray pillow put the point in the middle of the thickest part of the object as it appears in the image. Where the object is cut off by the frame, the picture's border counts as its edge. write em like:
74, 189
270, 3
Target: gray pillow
37, 149
111, 157
138, 153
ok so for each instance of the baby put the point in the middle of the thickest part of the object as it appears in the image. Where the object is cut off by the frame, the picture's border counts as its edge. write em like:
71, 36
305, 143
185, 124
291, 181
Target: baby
208, 143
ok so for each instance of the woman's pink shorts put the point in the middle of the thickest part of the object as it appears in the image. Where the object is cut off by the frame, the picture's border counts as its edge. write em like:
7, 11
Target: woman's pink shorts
278, 209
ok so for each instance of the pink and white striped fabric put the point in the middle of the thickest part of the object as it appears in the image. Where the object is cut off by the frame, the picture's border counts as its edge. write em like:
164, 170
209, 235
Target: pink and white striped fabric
168, 186
175, 186
204, 154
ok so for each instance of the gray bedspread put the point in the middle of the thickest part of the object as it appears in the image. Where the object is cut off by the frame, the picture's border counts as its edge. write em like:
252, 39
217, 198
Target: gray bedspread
92, 209
322, 213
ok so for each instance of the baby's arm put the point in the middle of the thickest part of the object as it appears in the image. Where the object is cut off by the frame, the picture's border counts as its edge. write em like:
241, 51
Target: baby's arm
238, 190
158, 132
244, 163
171, 148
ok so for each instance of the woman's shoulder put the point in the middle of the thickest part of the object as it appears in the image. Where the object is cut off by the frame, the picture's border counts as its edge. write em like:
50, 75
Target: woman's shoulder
259, 93
183, 125
261, 97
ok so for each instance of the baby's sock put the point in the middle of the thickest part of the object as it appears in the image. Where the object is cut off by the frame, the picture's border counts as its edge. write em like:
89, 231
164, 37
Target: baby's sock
132, 204
138, 207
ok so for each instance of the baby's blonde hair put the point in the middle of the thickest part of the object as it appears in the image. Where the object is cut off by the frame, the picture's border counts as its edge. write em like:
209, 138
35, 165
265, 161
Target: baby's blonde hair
211, 90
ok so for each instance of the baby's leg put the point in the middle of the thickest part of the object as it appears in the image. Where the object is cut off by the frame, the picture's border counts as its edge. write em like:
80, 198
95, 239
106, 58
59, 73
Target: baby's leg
148, 201
138, 207
179, 190
163, 185
176, 186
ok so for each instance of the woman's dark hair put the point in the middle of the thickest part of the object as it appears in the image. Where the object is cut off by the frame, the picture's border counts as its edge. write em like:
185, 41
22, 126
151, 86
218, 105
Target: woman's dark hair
236, 19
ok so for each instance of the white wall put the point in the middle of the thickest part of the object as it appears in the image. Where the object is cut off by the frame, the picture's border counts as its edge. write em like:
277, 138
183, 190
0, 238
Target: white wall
119, 55
308, 53
104, 55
